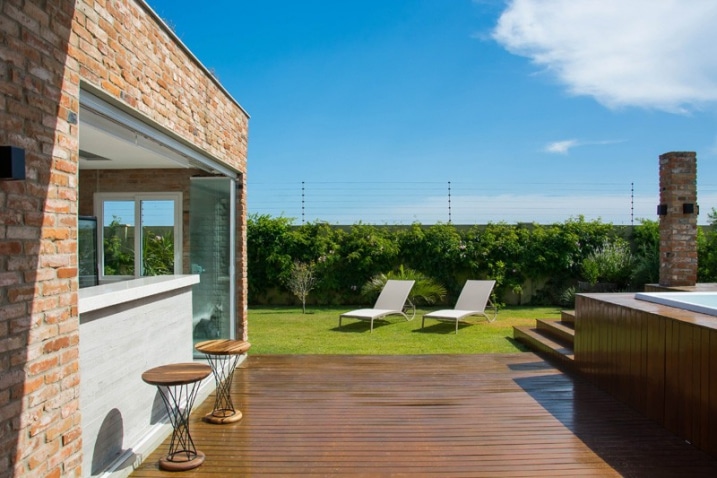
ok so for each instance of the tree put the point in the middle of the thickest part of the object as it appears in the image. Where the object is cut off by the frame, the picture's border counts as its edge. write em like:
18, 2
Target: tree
301, 280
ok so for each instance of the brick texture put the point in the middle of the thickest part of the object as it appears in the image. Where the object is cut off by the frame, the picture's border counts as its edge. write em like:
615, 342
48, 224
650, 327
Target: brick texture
678, 227
38, 218
47, 49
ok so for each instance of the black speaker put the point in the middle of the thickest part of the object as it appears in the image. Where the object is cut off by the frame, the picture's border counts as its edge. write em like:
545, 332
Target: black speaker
662, 209
12, 163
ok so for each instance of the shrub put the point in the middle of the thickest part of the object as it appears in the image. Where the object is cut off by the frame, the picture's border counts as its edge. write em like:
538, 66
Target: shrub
554, 257
567, 297
707, 250
438, 251
646, 243
268, 253
425, 290
158, 253
611, 263
118, 255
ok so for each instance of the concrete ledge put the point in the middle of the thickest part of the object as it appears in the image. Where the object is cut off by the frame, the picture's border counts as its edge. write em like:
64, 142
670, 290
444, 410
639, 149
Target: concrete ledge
108, 295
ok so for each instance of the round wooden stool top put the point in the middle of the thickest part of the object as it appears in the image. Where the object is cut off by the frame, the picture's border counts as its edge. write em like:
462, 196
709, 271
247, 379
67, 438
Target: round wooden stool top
176, 374
223, 347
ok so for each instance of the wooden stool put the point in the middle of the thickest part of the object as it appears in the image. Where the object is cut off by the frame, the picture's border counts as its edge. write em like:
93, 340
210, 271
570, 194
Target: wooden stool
178, 385
223, 356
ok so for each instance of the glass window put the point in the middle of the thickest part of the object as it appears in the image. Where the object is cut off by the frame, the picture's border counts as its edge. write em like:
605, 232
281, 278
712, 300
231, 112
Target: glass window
118, 238
211, 254
150, 220
157, 237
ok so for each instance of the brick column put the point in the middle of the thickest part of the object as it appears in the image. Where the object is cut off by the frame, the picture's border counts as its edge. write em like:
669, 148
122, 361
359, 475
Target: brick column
678, 219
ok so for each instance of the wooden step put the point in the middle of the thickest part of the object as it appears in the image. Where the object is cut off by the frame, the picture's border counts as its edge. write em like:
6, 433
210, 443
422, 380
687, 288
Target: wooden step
567, 316
556, 328
540, 342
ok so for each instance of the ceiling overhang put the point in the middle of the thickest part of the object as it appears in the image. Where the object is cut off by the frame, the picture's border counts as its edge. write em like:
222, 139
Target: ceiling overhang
111, 138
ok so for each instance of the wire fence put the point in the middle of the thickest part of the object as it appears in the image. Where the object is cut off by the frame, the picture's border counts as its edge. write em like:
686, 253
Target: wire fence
457, 202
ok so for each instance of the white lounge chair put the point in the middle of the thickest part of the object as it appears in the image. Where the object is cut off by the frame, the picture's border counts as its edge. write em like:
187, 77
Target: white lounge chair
473, 301
391, 301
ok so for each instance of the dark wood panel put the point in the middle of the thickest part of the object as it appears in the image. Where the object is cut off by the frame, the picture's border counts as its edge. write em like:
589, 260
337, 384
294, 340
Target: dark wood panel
711, 439
690, 380
440, 415
672, 369
701, 419
655, 379
658, 359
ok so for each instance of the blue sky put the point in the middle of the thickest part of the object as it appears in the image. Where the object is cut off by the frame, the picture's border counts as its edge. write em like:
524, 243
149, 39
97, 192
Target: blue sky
532, 110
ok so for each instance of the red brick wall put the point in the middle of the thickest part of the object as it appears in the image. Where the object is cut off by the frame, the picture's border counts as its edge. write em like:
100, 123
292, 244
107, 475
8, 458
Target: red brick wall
168, 87
47, 49
678, 228
111, 43
242, 286
39, 330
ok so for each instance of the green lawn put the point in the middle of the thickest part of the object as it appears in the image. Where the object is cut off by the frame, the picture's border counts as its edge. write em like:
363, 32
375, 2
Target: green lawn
288, 331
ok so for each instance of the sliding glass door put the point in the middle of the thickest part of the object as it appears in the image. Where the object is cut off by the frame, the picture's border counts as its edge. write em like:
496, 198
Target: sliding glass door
211, 255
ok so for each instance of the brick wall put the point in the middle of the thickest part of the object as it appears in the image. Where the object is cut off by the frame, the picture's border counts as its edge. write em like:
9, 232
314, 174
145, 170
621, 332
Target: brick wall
39, 331
242, 286
166, 86
678, 219
47, 49
122, 50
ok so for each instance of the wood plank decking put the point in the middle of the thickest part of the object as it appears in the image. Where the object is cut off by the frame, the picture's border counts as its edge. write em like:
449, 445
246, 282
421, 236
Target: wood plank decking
429, 415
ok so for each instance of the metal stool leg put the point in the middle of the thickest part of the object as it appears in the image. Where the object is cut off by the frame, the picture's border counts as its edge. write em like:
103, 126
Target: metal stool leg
223, 367
183, 454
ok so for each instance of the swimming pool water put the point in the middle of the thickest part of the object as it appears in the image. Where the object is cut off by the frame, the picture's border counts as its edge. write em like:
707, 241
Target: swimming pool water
702, 302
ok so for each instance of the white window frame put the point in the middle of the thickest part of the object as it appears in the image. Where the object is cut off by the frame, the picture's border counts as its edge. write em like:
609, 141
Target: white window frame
99, 200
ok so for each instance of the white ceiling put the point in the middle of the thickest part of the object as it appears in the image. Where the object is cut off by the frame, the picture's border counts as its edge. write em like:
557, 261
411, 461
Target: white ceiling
123, 149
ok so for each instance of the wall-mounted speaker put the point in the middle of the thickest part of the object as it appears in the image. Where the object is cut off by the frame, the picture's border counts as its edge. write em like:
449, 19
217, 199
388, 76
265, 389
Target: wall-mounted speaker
12, 163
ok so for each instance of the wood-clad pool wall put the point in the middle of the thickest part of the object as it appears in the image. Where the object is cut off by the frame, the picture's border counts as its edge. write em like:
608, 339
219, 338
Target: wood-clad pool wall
659, 360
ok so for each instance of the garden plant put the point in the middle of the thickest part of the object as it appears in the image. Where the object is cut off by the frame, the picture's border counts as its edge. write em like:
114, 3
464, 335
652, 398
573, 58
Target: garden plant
531, 263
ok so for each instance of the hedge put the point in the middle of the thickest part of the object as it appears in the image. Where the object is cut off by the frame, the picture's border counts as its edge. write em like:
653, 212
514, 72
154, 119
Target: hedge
531, 263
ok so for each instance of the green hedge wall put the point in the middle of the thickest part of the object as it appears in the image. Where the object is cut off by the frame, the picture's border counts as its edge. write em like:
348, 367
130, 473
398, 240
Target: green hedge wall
514, 255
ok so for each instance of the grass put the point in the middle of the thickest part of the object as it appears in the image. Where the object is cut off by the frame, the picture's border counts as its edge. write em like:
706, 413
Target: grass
287, 331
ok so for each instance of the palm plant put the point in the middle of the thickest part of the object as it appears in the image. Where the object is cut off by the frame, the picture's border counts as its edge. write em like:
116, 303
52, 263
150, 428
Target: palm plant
426, 290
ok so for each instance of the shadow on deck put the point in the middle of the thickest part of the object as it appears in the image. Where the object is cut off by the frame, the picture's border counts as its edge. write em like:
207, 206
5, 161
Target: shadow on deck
429, 415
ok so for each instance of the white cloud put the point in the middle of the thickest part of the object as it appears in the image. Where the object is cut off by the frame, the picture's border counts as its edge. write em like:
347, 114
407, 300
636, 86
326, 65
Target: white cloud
564, 147
646, 53
561, 147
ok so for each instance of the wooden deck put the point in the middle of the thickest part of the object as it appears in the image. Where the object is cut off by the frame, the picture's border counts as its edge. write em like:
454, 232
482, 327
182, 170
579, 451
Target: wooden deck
433, 415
